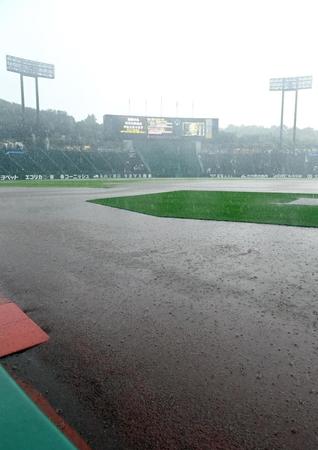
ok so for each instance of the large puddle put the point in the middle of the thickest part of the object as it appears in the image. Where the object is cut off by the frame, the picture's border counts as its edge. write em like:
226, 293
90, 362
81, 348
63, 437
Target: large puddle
305, 201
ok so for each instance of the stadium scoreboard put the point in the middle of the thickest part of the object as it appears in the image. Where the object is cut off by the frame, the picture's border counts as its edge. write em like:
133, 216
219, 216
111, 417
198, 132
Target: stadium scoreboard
151, 127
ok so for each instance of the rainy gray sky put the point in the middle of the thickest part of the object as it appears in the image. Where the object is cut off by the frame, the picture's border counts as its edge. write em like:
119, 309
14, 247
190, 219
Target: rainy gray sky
219, 54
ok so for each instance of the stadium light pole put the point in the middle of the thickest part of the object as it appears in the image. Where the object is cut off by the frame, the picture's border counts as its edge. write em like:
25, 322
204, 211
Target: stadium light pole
282, 120
37, 100
289, 84
295, 118
22, 94
29, 68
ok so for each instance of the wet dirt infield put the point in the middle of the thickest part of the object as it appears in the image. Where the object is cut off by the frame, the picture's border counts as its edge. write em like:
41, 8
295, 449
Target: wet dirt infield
164, 333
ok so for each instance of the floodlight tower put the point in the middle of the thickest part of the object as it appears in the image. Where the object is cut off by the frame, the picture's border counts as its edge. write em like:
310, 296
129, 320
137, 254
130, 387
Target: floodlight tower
34, 69
289, 84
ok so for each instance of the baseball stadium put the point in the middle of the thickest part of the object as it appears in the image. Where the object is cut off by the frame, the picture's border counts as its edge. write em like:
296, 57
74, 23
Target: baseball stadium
158, 272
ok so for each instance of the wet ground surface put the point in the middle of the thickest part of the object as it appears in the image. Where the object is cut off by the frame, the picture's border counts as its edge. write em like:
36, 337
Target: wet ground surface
166, 334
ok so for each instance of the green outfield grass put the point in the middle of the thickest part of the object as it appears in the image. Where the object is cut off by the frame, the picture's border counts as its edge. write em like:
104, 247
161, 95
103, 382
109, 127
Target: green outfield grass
270, 208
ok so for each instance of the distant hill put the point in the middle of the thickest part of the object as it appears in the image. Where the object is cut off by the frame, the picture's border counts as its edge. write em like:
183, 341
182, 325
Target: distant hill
63, 131
305, 136
58, 126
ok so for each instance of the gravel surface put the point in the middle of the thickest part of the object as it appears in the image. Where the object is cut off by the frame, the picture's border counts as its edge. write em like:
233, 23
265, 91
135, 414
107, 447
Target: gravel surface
164, 333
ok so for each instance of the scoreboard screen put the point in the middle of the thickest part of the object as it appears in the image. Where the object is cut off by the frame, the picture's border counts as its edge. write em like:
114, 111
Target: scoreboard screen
159, 126
193, 128
152, 127
133, 125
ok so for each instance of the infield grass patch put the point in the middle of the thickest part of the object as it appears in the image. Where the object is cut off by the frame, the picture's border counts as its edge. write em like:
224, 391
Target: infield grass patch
257, 207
